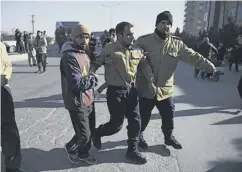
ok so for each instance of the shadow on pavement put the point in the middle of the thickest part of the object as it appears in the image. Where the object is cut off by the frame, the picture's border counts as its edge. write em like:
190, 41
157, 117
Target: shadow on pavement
36, 160
25, 72
229, 165
54, 101
158, 149
27, 65
235, 120
196, 112
204, 93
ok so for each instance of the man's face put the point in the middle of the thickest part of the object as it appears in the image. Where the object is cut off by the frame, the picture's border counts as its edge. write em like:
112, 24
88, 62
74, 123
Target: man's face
39, 33
113, 36
164, 27
126, 38
82, 41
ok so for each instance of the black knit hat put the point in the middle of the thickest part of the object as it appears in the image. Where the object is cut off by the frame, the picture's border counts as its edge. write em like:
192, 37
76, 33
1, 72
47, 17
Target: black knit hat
166, 15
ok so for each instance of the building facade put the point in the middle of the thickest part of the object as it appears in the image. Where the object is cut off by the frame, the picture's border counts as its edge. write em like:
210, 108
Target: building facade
195, 14
203, 15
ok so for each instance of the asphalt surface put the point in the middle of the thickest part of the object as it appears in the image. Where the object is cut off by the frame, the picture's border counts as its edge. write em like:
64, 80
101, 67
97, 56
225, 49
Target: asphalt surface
207, 123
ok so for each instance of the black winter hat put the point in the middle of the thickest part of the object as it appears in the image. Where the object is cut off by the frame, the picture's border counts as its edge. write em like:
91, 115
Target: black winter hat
166, 15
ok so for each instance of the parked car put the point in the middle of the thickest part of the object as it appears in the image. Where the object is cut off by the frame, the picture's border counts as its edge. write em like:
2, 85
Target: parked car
10, 46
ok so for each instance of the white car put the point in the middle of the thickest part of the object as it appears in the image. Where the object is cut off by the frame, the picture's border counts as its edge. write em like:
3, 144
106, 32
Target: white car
10, 46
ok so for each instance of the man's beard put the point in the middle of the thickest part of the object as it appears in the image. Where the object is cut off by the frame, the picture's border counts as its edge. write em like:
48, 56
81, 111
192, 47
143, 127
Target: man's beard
162, 34
128, 45
80, 46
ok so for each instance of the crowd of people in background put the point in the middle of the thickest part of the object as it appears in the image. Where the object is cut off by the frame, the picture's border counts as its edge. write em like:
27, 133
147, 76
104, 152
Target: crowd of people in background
62, 35
35, 47
226, 39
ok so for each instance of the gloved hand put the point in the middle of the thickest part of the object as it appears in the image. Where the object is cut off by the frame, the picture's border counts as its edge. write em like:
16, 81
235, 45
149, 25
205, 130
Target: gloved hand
95, 76
94, 79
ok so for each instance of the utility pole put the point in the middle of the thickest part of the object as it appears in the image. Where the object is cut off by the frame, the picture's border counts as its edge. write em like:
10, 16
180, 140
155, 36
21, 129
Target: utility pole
110, 13
32, 21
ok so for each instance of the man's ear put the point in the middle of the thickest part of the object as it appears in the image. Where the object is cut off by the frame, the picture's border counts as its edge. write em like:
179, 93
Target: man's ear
119, 35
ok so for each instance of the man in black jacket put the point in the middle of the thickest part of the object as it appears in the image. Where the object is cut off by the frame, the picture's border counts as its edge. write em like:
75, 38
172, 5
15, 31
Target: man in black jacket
239, 56
204, 49
77, 90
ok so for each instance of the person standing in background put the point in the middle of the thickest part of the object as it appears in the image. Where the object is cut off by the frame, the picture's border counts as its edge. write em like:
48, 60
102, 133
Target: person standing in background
31, 52
41, 50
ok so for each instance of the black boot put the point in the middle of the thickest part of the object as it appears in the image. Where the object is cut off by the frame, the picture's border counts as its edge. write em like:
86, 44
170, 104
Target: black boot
96, 139
142, 142
39, 71
171, 141
136, 156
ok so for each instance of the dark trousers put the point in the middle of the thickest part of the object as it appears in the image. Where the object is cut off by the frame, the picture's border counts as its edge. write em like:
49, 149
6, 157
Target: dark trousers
196, 71
41, 60
20, 47
122, 102
83, 121
236, 62
166, 109
10, 140
240, 87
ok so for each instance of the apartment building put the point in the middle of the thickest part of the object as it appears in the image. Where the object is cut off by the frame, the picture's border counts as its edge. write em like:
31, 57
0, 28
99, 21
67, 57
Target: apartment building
203, 15
195, 14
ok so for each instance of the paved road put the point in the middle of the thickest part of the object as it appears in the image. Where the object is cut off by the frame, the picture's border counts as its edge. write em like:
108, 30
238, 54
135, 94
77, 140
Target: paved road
207, 123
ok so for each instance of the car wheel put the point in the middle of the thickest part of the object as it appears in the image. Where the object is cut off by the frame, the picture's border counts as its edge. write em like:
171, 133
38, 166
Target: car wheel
12, 49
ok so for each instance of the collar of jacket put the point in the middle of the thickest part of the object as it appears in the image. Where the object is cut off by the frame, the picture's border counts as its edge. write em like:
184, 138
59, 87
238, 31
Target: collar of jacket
158, 39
